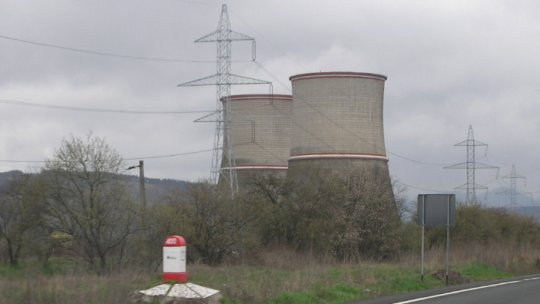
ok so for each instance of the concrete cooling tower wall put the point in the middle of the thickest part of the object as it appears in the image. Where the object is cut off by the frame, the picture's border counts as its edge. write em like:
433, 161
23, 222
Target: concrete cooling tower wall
338, 126
259, 134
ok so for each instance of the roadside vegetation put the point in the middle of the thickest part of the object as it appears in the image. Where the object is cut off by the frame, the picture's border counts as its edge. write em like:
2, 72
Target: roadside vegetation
72, 233
283, 277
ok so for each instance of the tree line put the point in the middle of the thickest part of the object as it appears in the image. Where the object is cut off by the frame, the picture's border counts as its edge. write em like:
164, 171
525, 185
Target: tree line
77, 208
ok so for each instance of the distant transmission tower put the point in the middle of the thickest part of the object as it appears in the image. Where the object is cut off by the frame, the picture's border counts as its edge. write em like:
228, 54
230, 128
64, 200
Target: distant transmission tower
223, 79
513, 176
471, 165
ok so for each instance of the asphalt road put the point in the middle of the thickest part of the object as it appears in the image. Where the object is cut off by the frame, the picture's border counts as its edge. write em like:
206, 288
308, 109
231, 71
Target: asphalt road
524, 290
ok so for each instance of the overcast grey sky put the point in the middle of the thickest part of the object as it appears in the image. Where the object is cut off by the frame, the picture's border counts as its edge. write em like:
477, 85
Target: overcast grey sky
450, 64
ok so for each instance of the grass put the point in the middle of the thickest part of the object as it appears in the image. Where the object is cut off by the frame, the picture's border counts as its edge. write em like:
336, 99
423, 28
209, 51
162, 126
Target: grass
280, 277
9, 272
327, 283
63, 282
482, 272
71, 289
392, 279
299, 281
337, 283
336, 294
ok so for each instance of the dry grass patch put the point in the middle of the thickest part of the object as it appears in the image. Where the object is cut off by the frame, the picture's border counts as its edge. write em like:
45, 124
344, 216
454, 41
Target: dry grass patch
83, 288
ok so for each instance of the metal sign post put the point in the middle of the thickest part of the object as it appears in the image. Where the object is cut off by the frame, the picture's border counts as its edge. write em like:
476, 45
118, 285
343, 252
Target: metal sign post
447, 237
423, 235
436, 210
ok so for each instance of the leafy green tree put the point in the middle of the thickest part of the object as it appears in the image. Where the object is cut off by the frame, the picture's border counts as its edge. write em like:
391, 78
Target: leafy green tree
87, 201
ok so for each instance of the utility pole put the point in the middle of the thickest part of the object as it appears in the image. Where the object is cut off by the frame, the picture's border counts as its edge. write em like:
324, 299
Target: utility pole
471, 165
142, 193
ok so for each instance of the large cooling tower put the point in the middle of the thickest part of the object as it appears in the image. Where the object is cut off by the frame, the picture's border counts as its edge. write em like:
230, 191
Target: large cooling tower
259, 132
338, 126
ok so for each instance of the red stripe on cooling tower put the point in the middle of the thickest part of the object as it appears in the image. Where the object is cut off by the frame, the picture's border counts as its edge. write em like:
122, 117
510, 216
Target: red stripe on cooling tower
338, 156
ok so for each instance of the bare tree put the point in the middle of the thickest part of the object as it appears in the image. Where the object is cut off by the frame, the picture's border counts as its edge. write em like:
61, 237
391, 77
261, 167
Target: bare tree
400, 197
366, 218
214, 221
87, 201
20, 211
292, 214
349, 216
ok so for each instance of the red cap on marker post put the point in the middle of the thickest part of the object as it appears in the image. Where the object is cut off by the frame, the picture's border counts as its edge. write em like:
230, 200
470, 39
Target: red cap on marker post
174, 259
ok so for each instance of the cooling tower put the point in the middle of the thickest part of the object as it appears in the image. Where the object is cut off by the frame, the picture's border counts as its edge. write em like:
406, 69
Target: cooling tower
259, 132
338, 126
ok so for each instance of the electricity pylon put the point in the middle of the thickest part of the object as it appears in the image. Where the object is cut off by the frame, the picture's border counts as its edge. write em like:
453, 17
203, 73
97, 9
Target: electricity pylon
471, 165
223, 79
513, 176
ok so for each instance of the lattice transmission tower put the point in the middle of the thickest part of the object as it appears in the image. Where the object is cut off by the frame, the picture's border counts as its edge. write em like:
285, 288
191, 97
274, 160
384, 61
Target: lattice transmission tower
513, 177
471, 165
223, 160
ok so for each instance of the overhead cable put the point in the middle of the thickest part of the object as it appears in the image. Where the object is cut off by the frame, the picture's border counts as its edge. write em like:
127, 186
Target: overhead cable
99, 110
299, 98
420, 188
130, 158
101, 53
168, 155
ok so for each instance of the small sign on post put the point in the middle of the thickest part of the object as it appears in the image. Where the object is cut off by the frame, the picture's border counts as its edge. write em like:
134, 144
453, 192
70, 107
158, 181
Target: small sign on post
436, 210
174, 259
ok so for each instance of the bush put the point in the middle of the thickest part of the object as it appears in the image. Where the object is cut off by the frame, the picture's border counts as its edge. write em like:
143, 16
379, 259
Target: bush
348, 218
476, 225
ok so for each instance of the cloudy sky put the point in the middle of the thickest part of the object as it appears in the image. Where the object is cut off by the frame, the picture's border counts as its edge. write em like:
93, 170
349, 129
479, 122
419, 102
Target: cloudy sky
450, 64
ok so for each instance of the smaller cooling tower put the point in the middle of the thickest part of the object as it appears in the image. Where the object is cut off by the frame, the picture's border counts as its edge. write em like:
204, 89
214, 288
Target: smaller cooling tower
338, 126
259, 131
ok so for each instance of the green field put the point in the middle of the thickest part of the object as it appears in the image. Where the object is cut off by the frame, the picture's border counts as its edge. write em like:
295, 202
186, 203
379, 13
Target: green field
296, 280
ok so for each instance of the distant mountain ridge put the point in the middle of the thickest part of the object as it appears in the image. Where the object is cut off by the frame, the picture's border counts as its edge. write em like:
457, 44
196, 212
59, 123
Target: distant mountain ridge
532, 211
155, 188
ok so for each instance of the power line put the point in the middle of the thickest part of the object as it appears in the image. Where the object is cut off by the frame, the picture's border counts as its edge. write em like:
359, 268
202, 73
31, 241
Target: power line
155, 112
169, 155
21, 161
416, 161
299, 98
259, 34
329, 119
199, 2
276, 157
98, 110
101, 53
176, 154
420, 188
314, 108
130, 158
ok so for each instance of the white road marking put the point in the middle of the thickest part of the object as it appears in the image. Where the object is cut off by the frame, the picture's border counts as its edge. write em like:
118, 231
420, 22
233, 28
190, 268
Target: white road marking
464, 290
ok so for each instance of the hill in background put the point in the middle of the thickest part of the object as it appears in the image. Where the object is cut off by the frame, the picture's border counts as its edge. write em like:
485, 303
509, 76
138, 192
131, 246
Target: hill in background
155, 188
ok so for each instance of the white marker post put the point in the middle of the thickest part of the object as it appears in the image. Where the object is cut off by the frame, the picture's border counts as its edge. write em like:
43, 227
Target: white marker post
174, 260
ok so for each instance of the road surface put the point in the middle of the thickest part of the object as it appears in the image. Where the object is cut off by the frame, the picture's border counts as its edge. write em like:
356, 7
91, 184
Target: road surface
525, 290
